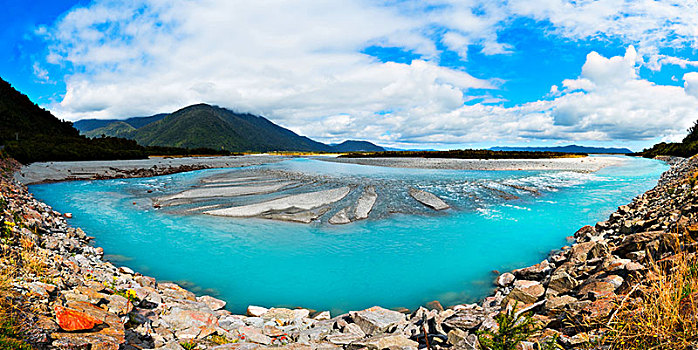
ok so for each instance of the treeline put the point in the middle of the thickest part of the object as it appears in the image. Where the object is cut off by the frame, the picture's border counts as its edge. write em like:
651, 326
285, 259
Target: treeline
688, 147
29, 133
464, 154
43, 148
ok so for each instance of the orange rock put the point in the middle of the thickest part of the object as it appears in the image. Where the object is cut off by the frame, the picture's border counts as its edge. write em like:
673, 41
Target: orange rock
73, 320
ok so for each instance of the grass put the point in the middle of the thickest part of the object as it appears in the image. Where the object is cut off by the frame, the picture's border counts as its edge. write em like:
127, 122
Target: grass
663, 313
10, 332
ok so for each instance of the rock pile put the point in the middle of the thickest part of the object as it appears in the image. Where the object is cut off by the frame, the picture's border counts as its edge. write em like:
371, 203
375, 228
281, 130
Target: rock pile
76, 300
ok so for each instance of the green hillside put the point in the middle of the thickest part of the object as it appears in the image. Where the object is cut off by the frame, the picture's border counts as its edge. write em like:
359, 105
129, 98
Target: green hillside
219, 128
116, 129
31, 133
688, 147
214, 127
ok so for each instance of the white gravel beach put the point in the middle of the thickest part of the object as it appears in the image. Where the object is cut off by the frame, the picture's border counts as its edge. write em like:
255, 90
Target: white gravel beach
85, 170
583, 164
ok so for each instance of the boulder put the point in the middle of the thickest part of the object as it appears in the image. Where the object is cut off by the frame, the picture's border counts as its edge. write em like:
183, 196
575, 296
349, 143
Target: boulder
505, 279
74, 320
526, 291
428, 199
596, 289
256, 311
535, 272
181, 319
385, 341
213, 303
377, 320
253, 335
555, 303
562, 282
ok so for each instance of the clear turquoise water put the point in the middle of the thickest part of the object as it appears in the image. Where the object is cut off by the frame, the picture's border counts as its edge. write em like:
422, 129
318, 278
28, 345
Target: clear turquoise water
399, 260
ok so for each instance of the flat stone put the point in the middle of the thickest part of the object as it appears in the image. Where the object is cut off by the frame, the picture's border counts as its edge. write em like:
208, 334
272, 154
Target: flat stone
596, 289
560, 302
303, 201
118, 304
181, 319
304, 217
385, 341
535, 272
230, 323
365, 203
253, 335
74, 320
341, 217
238, 346
562, 282
126, 270
213, 303
428, 199
377, 320
526, 291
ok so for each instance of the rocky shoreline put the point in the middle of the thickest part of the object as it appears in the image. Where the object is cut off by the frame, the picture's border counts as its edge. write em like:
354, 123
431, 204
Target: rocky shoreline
69, 297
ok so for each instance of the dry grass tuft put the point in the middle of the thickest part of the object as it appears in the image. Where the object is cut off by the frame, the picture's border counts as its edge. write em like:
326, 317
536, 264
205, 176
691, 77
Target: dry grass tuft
663, 314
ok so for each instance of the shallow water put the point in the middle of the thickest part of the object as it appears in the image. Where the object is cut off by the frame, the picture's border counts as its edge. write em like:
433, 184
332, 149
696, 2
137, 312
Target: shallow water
392, 260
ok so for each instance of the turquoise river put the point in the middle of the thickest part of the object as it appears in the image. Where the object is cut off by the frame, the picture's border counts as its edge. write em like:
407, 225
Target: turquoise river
391, 259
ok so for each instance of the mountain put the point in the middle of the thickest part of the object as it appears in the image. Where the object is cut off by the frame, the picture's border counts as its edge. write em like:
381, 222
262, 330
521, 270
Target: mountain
567, 149
207, 126
356, 146
29, 133
21, 119
214, 127
86, 125
116, 129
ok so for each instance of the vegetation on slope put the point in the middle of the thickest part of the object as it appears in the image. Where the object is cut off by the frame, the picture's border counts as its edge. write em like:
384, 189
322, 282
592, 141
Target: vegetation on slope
30, 133
219, 128
686, 148
463, 154
115, 129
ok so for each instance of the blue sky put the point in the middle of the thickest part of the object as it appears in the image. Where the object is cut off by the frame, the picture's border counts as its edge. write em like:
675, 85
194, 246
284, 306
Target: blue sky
433, 74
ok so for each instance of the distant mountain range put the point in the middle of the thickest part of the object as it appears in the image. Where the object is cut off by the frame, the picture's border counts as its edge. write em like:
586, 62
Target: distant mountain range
213, 127
567, 149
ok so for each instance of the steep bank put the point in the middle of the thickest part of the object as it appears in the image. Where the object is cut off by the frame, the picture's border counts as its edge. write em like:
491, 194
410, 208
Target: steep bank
69, 279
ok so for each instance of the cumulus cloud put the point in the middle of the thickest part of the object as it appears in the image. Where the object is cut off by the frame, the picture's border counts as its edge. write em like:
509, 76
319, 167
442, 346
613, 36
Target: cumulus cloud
300, 63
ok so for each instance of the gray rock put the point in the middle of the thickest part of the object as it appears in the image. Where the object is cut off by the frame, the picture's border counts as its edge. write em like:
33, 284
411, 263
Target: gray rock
365, 203
562, 282
377, 320
256, 311
341, 217
428, 199
505, 279
230, 323
526, 292
385, 341
213, 303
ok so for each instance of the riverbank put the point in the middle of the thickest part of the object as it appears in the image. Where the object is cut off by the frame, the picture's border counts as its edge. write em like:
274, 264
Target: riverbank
68, 296
41, 172
581, 164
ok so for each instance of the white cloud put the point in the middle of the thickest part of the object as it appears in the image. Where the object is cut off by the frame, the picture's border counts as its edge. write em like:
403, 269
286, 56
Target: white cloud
691, 83
40, 72
300, 63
